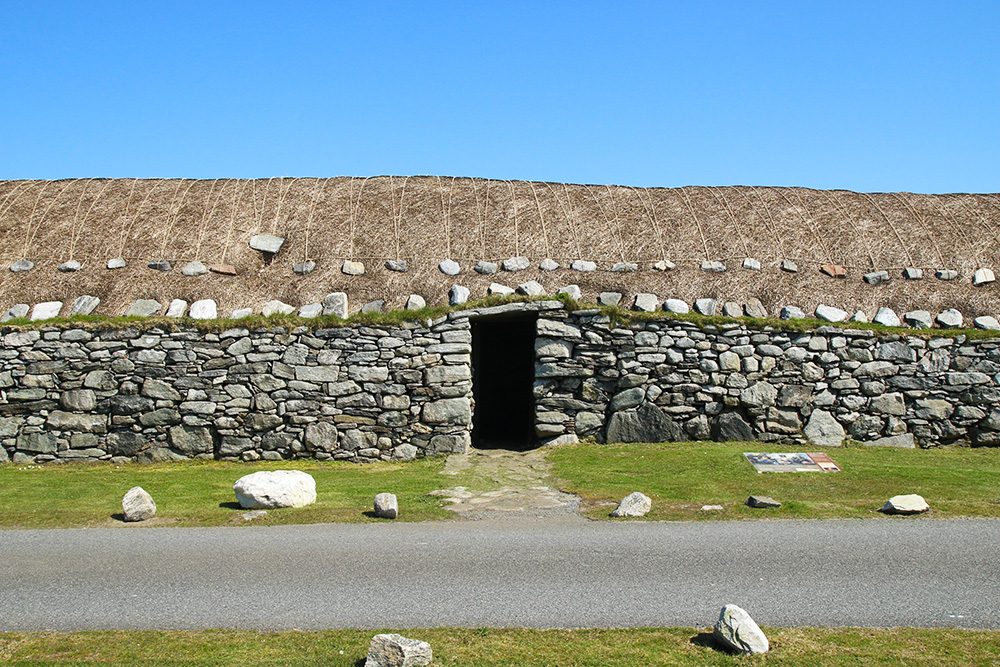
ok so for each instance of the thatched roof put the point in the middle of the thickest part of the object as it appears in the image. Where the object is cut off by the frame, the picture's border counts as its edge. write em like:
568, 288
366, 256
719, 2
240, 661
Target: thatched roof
425, 219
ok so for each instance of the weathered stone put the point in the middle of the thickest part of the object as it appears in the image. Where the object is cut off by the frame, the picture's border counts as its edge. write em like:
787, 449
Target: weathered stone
397, 265
609, 298
304, 268
386, 506
81, 400
983, 277
36, 443
664, 265
624, 267
789, 266
373, 307
336, 304
903, 441
74, 423
583, 265
84, 305
311, 311
751, 264
834, 270
887, 317
987, 322
824, 430
404, 452
762, 502
731, 427
895, 351
137, 505
876, 277
706, 306
160, 265
352, 268
738, 632
486, 268
449, 267
496, 289
627, 399
911, 273
46, 310
905, 504
754, 308
240, 313
268, 243
572, 291
392, 650
932, 408
17, 311
531, 288
732, 309
22, 265
177, 308
276, 307
515, 264
195, 268
447, 411
647, 423
116, 263
268, 489
830, 314
204, 309
321, 437
676, 306
713, 267
191, 440
761, 394
634, 504
792, 313
223, 269
144, 308
415, 302
946, 274
949, 319
548, 265
889, 404
646, 303
458, 295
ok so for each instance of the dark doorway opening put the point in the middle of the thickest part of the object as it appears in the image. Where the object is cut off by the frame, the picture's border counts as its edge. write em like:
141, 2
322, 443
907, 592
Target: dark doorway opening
503, 375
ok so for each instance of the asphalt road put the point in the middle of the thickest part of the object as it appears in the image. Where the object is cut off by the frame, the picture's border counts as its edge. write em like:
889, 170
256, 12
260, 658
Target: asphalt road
562, 573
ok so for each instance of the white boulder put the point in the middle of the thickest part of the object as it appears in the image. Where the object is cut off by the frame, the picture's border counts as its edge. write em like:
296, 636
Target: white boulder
268, 489
137, 505
634, 504
177, 308
910, 503
392, 650
386, 506
275, 307
204, 309
266, 243
46, 310
887, 317
676, 306
830, 314
738, 632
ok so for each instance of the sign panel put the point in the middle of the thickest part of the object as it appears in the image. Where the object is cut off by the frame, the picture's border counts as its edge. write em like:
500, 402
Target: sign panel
789, 462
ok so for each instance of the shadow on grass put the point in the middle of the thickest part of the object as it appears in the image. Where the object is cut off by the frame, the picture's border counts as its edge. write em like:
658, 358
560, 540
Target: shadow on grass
372, 514
119, 516
231, 505
707, 640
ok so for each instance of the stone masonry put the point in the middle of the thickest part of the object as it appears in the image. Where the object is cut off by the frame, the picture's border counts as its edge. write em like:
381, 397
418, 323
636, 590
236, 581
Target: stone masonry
364, 393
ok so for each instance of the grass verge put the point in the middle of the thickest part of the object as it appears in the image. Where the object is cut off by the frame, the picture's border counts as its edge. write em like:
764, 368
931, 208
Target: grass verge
680, 478
200, 493
792, 647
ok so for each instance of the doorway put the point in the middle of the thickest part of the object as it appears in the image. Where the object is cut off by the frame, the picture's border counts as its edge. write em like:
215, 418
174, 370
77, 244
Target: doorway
503, 374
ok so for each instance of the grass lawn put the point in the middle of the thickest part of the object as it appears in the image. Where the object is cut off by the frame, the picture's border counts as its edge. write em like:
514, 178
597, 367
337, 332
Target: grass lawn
200, 493
681, 478
812, 647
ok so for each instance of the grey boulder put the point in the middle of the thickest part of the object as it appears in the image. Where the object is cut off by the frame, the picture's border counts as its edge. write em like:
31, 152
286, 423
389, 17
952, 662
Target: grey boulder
634, 504
268, 243
386, 506
905, 504
737, 631
137, 505
392, 650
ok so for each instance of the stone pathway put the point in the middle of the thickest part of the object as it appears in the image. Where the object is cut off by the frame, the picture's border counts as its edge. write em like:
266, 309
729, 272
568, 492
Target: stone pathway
504, 483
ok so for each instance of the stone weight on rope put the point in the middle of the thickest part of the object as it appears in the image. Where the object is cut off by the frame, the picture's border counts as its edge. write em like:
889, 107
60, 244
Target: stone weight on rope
706, 306
458, 294
751, 264
486, 268
22, 265
516, 264
398, 265
531, 288
204, 309
913, 274
713, 267
496, 289
920, 319
583, 266
46, 310
373, 307
304, 268
732, 309
646, 302
276, 307
160, 265
240, 313
449, 267
16, 311
548, 265
223, 269
664, 265
70, 266
336, 304
859, 316
887, 317
987, 322
834, 270
789, 266
676, 306
754, 308
792, 313
415, 302
266, 243
572, 291
194, 268
949, 319
352, 268
983, 277
876, 277
116, 263
830, 314
609, 298
311, 310
624, 267
946, 274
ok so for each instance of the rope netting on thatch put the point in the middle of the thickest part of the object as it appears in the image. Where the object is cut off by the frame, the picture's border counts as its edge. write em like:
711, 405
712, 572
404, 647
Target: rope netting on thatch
425, 219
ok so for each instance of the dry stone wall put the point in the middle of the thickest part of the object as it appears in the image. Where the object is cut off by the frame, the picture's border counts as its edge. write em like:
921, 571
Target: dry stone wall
358, 393
674, 380
365, 393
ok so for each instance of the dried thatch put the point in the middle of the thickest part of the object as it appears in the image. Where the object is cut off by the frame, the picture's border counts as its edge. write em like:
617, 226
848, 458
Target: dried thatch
426, 219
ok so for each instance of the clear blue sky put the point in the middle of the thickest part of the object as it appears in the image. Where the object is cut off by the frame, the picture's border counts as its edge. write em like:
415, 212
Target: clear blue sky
874, 95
